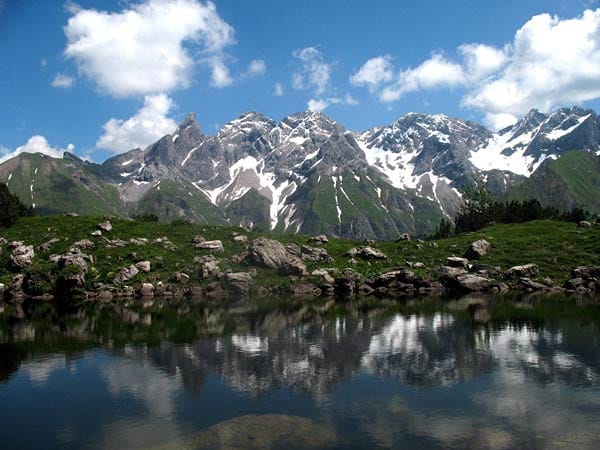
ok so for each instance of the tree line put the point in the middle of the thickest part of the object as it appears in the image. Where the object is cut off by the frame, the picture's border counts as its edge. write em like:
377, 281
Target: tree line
480, 209
11, 207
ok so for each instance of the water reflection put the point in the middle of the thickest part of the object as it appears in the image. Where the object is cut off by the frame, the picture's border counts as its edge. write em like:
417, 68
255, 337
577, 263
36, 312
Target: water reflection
475, 373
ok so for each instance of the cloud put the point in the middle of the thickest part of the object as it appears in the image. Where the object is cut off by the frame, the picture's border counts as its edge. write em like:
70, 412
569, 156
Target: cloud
36, 144
220, 76
435, 72
62, 81
145, 49
481, 61
374, 72
256, 67
278, 90
321, 104
314, 72
551, 62
149, 124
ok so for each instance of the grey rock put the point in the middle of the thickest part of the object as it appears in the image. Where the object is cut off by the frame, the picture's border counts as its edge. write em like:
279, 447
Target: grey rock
242, 239
182, 277
21, 255
96, 233
320, 239
472, 282
584, 224
209, 267
369, 253
324, 274
450, 273
315, 254
455, 261
293, 266
126, 274
524, 271
47, 245
212, 246
477, 249
267, 253
144, 266
147, 290
84, 243
105, 226
403, 237
239, 282
139, 241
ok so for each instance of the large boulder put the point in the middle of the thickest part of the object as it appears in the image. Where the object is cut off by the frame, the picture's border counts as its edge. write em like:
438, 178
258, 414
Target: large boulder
477, 249
239, 282
267, 253
21, 255
209, 266
470, 282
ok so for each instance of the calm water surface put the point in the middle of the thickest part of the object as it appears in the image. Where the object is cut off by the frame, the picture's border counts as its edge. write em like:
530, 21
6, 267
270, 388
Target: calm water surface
475, 373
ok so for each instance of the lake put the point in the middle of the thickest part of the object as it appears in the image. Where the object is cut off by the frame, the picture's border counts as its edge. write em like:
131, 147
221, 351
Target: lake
474, 372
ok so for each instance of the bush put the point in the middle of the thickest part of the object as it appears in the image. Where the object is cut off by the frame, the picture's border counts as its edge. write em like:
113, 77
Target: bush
480, 210
146, 217
11, 207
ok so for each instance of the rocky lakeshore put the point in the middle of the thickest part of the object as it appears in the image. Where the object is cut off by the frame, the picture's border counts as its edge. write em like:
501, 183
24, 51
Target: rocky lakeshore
88, 258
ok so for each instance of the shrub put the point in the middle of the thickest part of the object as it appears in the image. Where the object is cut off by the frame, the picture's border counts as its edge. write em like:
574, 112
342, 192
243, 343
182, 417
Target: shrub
11, 207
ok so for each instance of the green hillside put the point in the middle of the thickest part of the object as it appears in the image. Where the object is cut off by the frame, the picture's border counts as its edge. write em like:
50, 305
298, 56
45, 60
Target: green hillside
571, 181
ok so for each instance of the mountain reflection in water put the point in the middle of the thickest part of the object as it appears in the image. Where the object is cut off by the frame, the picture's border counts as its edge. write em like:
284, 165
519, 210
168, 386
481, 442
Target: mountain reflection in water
474, 372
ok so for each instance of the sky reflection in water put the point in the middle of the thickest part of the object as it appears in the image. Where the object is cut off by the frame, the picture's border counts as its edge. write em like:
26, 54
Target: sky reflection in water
321, 378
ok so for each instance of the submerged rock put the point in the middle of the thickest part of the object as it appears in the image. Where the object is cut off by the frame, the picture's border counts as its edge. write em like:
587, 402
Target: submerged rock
262, 432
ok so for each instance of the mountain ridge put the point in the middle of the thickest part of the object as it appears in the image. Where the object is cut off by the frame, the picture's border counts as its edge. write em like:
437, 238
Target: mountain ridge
309, 174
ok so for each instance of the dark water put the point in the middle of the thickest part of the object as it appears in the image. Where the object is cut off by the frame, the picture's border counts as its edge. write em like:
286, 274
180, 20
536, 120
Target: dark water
473, 373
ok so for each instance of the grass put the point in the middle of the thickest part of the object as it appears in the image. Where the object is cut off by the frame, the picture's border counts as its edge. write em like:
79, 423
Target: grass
557, 247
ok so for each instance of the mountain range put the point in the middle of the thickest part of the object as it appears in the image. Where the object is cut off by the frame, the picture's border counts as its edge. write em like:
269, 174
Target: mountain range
309, 174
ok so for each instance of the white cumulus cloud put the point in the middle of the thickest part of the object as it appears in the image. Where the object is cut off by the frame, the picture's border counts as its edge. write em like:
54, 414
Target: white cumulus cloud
374, 72
145, 49
435, 72
314, 72
62, 81
36, 144
149, 124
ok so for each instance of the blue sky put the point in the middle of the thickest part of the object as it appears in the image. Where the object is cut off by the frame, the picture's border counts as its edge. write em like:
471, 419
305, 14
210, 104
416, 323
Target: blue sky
102, 76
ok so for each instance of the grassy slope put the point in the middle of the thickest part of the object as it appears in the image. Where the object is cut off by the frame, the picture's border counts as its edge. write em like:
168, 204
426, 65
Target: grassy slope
59, 182
555, 246
570, 181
